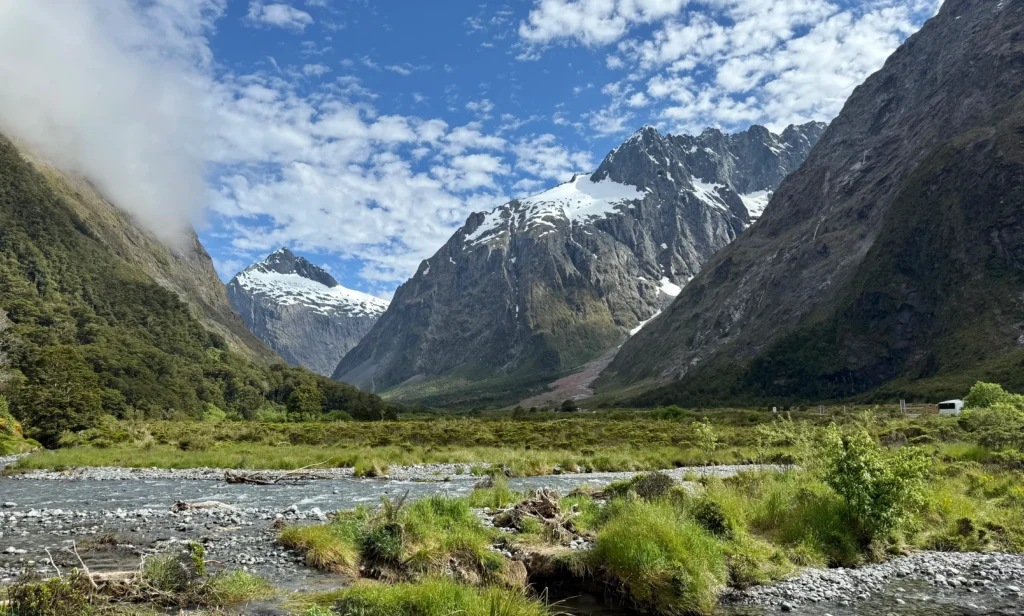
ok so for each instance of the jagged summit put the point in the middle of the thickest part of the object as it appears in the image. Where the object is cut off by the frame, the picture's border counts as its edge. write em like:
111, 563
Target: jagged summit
284, 261
301, 311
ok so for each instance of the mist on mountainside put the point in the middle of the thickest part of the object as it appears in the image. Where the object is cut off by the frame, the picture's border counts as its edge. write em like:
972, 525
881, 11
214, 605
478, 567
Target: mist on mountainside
104, 92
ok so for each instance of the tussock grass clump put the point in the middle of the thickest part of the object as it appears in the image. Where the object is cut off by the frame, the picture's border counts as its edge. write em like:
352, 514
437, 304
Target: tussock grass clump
496, 496
434, 597
237, 587
53, 597
665, 561
438, 530
434, 536
335, 546
181, 580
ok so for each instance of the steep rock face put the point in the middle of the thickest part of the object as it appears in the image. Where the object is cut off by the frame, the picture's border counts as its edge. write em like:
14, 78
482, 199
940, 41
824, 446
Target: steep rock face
301, 311
541, 285
185, 269
890, 257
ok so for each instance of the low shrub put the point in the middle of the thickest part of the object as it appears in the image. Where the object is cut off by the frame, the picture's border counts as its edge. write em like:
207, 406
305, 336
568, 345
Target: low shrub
880, 491
53, 597
650, 486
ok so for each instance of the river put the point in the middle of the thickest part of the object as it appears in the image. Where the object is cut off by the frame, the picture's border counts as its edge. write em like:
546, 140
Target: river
50, 513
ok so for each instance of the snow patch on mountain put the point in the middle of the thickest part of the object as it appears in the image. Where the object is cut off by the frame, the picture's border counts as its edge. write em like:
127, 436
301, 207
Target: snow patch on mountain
755, 202
708, 193
579, 199
290, 289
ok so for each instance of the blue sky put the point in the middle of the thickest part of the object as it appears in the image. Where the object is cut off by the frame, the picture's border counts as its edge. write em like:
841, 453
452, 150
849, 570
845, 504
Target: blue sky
361, 134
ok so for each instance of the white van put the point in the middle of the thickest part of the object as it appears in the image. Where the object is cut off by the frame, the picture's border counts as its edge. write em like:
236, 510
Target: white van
951, 408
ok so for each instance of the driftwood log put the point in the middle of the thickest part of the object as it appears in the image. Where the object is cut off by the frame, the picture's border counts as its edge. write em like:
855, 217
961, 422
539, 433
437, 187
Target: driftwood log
264, 478
181, 506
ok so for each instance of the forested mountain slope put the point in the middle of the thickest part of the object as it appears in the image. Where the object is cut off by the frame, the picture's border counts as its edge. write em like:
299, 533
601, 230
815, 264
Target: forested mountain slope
85, 331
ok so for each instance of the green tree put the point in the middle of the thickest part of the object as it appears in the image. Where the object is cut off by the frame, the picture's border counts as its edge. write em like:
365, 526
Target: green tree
569, 406
306, 401
705, 438
64, 395
880, 491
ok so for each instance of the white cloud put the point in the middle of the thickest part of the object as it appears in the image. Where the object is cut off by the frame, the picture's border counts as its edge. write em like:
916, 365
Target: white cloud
470, 171
278, 15
469, 137
481, 108
111, 92
637, 100
315, 70
728, 63
405, 69
542, 156
591, 22
614, 62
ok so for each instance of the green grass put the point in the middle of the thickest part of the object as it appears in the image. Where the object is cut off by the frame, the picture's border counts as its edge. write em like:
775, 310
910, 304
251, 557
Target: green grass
330, 547
373, 461
673, 552
608, 441
427, 597
401, 541
666, 562
495, 497
237, 586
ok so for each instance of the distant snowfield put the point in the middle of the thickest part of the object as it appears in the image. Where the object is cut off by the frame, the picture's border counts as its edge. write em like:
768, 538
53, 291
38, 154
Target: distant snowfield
581, 199
578, 199
667, 287
755, 202
290, 289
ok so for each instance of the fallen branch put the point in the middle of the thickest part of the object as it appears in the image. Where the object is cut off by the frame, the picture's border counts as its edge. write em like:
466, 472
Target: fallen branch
53, 564
85, 569
181, 506
261, 478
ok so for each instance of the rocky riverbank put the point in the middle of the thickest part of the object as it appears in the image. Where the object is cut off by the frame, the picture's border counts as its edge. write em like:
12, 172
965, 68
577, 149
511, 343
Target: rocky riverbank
995, 578
235, 537
417, 472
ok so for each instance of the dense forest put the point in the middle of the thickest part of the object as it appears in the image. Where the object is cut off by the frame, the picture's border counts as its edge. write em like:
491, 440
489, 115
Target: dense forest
84, 334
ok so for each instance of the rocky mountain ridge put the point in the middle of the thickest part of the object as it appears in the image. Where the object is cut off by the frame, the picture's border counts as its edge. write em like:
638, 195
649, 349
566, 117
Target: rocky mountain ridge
889, 260
543, 284
301, 311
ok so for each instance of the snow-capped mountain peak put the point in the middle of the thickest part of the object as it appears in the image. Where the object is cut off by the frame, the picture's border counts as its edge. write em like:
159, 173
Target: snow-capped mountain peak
301, 311
288, 279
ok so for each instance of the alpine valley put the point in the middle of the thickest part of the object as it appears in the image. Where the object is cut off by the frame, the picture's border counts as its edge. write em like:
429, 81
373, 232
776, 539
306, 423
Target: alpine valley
542, 285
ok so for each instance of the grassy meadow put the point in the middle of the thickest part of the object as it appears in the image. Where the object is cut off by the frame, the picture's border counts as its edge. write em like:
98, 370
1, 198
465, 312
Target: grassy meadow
527, 444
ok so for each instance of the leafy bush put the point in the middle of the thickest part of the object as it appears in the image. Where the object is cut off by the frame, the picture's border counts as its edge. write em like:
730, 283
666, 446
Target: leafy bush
986, 395
995, 417
880, 491
650, 486
711, 517
53, 597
